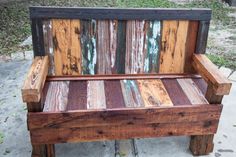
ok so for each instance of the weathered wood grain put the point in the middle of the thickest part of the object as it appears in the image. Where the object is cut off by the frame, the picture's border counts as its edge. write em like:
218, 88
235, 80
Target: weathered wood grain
221, 85
190, 47
121, 77
77, 96
131, 93
48, 45
57, 96
35, 79
62, 135
191, 90
173, 50
202, 36
175, 92
88, 45
67, 48
151, 63
124, 116
113, 93
154, 93
96, 95
201, 84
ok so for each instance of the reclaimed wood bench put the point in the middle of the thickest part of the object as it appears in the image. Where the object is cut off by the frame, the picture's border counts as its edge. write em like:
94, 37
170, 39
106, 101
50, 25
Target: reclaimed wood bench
107, 74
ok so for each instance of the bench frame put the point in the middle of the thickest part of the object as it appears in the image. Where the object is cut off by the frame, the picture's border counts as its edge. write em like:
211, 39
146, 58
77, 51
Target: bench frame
200, 144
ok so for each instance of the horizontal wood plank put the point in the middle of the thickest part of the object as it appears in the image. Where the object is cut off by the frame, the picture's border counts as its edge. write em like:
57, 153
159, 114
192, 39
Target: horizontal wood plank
120, 14
210, 73
63, 135
123, 116
35, 79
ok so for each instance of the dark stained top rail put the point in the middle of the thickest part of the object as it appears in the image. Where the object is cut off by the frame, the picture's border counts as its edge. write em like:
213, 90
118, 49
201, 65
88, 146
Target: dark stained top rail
120, 14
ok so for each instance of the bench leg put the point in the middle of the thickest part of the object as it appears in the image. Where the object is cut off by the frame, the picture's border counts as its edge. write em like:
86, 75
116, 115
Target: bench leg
50, 148
38, 151
201, 144
47, 150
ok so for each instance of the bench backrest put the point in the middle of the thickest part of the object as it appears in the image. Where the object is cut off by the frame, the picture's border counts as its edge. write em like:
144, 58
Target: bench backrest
119, 41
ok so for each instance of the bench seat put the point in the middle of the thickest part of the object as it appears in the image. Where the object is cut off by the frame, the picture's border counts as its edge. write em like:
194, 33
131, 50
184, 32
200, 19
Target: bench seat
91, 110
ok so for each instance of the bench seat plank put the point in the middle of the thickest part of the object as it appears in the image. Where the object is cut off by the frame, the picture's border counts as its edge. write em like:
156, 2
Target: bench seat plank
109, 94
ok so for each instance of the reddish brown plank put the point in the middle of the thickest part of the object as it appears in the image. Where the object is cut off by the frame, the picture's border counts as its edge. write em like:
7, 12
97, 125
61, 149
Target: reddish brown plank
77, 97
58, 135
175, 92
113, 93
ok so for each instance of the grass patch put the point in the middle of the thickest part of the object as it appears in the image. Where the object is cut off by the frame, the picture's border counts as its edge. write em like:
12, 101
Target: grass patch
227, 60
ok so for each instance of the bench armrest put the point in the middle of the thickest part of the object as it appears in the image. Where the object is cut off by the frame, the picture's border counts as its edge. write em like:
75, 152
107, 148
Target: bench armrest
34, 82
211, 74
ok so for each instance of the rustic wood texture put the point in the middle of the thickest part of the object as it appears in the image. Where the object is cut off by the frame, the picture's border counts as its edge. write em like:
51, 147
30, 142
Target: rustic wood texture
124, 117
121, 77
173, 46
176, 93
113, 93
62, 135
67, 48
154, 93
142, 46
202, 36
201, 145
57, 96
88, 46
50, 148
221, 85
131, 93
190, 46
35, 79
191, 90
96, 95
77, 96
48, 45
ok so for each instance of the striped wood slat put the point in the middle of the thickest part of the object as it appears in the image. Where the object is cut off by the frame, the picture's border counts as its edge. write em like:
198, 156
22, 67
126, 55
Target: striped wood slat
96, 95
67, 48
154, 93
131, 93
57, 96
191, 90
172, 56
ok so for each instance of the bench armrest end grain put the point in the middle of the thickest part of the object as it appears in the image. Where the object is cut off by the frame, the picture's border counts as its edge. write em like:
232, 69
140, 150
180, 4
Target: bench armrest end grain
34, 82
211, 74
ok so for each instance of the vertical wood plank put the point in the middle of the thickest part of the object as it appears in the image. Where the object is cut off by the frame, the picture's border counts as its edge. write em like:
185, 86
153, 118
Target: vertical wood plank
67, 50
88, 45
135, 35
57, 96
154, 93
152, 46
77, 96
113, 93
37, 37
96, 95
202, 36
131, 94
172, 56
190, 46
191, 90
121, 47
48, 45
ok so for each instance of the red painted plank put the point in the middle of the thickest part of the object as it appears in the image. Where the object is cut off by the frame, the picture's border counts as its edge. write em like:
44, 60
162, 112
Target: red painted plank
77, 97
175, 92
113, 93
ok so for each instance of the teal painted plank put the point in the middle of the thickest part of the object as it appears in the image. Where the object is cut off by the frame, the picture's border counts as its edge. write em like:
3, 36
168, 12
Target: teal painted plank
153, 42
131, 94
88, 46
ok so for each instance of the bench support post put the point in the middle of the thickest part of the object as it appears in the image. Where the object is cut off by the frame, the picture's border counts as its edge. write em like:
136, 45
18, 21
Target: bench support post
42, 150
203, 144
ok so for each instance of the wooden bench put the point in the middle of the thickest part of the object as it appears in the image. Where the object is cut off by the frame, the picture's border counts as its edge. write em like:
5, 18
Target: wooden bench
106, 74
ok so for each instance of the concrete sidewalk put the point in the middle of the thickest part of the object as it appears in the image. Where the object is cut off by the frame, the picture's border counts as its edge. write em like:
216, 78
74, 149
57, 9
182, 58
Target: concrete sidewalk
15, 142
